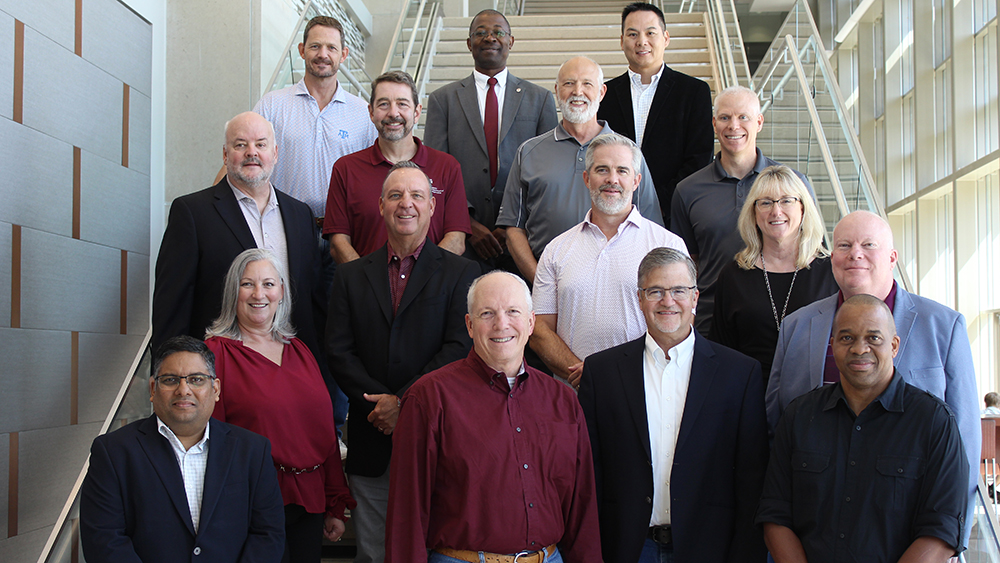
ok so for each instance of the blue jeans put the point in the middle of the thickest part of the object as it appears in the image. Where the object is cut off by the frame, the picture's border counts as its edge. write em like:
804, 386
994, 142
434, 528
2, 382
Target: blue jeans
653, 552
436, 557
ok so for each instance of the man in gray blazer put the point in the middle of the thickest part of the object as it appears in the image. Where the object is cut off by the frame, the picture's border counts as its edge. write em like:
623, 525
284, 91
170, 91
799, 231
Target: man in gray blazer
456, 124
934, 352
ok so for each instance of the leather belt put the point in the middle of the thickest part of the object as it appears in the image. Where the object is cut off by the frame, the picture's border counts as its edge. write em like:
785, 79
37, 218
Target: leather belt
298, 471
522, 557
660, 534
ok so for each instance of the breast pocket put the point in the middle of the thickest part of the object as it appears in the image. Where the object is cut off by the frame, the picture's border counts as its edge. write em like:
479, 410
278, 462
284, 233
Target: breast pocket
899, 480
930, 379
810, 477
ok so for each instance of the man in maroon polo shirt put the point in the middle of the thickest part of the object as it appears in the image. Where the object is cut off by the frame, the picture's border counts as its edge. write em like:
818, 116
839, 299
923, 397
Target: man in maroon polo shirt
352, 221
492, 457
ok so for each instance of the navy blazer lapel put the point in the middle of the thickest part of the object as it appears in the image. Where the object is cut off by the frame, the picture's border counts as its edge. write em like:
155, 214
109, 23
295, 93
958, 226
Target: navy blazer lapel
220, 456
630, 373
469, 100
624, 91
704, 370
511, 102
229, 210
426, 266
376, 269
161, 456
659, 98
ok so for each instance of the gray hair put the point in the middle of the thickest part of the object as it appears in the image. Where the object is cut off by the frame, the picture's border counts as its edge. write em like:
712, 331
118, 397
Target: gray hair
609, 140
737, 90
395, 77
663, 256
227, 325
472, 289
406, 164
183, 343
600, 71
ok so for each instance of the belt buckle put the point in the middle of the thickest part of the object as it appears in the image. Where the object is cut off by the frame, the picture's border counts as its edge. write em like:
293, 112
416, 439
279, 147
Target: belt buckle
525, 554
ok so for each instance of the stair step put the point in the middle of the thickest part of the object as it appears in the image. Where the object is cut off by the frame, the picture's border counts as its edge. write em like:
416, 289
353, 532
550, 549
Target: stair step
547, 74
570, 31
543, 20
517, 59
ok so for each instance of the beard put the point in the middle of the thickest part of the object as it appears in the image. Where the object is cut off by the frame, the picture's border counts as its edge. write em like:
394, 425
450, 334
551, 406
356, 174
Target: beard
394, 135
262, 178
331, 70
574, 115
606, 206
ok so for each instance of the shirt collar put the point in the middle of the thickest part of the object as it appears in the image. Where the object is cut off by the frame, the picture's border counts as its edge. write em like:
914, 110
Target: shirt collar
392, 253
684, 348
720, 172
636, 78
299, 89
482, 81
419, 158
633, 218
890, 300
485, 372
891, 399
562, 135
167, 433
272, 199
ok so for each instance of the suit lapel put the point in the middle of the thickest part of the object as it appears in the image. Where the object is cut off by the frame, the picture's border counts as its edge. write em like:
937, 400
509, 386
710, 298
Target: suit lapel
630, 373
161, 456
229, 209
511, 102
378, 278
704, 370
426, 266
659, 98
819, 340
220, 456
625, 103
904, 315
294, 238
469, 100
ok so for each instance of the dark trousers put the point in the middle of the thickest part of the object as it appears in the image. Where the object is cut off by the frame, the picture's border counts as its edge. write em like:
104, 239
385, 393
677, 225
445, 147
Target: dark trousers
303, 535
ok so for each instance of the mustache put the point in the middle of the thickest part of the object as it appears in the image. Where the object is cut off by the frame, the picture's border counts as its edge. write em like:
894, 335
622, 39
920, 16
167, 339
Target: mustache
611, 188
583, 99
392, 120
252, 160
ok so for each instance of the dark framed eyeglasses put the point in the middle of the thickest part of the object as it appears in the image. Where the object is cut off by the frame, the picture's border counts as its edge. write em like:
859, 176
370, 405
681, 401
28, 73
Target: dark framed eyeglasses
194, 381
484, 33
765, 204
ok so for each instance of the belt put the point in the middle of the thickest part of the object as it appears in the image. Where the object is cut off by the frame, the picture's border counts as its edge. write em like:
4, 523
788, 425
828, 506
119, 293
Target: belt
296, 470
521, 557
660, 534
319, 222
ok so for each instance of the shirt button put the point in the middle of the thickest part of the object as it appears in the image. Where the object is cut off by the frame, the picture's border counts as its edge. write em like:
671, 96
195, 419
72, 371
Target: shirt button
197, 551
511, 395
841, 536
531, 505
532, 543
518, 428
402, 276
858, 428
853, 462
900, 470
848, 499
525, 465
649, 500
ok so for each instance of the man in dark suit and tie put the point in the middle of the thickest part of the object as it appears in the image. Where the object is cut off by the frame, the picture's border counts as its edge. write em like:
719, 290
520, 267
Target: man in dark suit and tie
667, 113
678, 432
180, 485
481, 120
208, 229
395, 315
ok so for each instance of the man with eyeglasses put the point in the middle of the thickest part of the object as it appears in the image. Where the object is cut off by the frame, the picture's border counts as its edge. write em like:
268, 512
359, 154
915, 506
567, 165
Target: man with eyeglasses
707, 204
180, 485
481, 120
584, 292
683, 487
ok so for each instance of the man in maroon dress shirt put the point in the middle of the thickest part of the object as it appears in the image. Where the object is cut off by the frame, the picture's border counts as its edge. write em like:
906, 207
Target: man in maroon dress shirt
492, 457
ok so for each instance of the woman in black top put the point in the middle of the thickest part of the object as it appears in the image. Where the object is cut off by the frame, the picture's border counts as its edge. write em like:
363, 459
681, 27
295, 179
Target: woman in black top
782, 268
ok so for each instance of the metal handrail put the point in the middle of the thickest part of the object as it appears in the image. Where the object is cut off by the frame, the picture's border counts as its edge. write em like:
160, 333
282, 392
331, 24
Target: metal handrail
428, 9
75, 491
413, 35
720, 18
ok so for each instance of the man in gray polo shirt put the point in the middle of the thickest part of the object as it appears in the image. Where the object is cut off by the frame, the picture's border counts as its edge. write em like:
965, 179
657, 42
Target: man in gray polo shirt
707, 203
545, 193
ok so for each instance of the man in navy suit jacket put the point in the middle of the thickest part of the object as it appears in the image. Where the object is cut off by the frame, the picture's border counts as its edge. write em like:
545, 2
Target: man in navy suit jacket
678, 432
179, 485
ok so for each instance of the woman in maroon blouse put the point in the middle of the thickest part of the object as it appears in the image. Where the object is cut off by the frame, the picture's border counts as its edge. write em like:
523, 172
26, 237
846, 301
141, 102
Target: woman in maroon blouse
271, 384
782, 268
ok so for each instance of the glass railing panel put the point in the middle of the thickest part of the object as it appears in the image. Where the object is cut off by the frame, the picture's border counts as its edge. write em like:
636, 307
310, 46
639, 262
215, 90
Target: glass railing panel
131, 404
983, 542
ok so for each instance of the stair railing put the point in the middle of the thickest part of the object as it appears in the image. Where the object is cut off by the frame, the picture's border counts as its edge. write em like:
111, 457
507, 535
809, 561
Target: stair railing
509, 7
418, 51
800, 97
725, 35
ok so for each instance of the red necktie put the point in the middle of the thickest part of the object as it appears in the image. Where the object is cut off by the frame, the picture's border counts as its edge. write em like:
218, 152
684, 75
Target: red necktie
490, 127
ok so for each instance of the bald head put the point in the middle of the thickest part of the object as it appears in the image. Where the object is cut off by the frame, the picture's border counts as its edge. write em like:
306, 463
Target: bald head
864, 342
863, 255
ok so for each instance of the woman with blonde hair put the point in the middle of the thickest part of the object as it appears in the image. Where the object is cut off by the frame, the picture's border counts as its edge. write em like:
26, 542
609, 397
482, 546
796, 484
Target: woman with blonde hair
782, 267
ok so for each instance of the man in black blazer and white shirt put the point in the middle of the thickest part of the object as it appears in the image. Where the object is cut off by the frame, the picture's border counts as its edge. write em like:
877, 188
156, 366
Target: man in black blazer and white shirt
678, 432
208, 229
667, 113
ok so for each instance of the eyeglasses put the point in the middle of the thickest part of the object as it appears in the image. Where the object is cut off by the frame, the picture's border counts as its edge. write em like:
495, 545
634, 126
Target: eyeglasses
765, 204
484, 33
194, 381
679, 293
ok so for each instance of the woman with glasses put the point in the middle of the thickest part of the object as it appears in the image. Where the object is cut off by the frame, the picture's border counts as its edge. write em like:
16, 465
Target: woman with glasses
782, 267
271, 384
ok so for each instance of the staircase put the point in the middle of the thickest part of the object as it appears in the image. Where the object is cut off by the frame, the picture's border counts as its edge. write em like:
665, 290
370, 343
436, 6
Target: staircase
543, 42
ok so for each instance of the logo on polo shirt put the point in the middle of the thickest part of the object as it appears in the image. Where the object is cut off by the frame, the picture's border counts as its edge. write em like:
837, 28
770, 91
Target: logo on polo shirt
434, 191
344, 134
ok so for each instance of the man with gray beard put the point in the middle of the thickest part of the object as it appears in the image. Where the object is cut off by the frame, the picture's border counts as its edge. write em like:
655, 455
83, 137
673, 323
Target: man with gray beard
584, 291
545, 193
